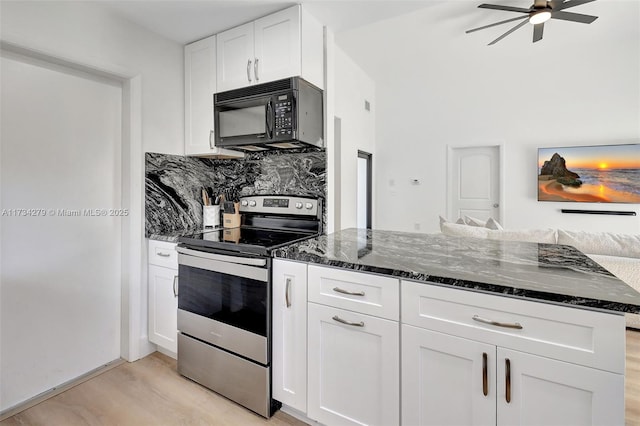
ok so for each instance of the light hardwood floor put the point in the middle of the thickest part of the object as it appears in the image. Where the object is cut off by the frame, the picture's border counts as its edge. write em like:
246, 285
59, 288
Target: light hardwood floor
146, 392
151, 392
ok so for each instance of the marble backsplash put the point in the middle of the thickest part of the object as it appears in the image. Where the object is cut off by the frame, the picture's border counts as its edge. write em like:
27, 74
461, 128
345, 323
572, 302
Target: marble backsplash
173, 183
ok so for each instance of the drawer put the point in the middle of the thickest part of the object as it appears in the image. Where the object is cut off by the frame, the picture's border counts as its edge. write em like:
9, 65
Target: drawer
355, 291
579, 336
162, 253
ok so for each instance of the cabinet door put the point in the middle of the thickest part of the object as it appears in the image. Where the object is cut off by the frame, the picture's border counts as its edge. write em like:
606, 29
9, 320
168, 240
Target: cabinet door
290, 333
235, 58
543, 391
277, 45
163, 307
353, 368
446, 380
199, 87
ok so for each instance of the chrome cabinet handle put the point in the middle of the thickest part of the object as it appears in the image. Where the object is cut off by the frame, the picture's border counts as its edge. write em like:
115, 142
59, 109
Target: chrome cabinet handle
515, 325
249, 70
485, 381
163, 254
355, 324
175, 286
255, 69
351, 293
507, 372
287, 299
211, 139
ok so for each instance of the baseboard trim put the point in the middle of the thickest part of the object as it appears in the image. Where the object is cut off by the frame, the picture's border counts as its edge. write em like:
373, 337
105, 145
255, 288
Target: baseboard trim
12, 411
298, 415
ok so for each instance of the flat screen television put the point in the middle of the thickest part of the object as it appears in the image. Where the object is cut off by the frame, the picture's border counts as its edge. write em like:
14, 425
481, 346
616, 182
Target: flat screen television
590, 174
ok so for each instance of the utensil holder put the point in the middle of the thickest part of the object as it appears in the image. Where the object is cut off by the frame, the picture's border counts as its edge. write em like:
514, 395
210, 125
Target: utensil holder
232, 220
210, 216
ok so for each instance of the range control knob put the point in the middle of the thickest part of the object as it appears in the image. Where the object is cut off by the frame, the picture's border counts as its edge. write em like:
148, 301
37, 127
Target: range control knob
252, 203
298, 205
245, 203
309, 206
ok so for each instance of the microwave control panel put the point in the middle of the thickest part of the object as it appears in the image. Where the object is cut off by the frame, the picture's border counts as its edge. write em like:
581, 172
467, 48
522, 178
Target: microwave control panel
283, 116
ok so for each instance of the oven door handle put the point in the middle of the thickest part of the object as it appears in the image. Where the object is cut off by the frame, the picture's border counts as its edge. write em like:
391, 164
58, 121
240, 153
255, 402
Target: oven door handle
252, 261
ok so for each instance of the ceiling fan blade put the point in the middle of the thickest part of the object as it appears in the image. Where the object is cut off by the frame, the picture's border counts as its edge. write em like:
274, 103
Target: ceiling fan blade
570, 3
573, 17
556, 4
496, 23
509, 32
504, 8
538, 29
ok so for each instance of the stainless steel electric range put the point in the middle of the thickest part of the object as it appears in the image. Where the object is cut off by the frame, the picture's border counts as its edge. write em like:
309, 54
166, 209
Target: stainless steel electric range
224, 298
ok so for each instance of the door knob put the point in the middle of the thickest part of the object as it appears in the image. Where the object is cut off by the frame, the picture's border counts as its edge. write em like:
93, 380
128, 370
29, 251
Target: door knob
496, 205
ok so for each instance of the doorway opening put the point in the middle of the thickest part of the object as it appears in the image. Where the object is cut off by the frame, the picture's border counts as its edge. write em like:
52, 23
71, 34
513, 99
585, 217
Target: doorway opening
364, 192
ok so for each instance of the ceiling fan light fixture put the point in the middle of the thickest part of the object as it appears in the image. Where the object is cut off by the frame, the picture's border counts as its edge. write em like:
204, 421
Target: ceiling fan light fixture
539, 17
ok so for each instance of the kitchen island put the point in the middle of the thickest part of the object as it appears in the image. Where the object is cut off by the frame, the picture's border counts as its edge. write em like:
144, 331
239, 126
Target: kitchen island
468, 331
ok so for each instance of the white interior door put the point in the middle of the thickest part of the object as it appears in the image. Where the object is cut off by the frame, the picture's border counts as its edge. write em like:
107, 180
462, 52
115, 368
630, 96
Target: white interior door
60, 280
474, 182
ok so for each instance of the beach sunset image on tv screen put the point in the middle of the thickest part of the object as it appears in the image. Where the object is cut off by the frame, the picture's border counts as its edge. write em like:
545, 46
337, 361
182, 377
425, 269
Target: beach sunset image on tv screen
597, 174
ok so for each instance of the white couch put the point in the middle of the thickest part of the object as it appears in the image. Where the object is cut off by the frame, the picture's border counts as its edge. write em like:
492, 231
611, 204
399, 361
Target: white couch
618, 253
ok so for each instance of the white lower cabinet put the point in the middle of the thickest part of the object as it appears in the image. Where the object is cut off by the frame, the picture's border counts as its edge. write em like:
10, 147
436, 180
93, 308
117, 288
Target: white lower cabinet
447, 380
539, 391
353, 368
163, 296
467, 358
289, 375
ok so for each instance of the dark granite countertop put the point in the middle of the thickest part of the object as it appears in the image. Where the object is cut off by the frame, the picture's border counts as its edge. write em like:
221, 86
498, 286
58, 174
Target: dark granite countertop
540, 272
172, 236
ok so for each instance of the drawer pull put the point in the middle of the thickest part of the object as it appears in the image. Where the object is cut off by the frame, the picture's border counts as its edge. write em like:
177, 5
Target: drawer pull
355, 324
485, 381
163, 254
507, 372
287, 290
350, 293
496, 323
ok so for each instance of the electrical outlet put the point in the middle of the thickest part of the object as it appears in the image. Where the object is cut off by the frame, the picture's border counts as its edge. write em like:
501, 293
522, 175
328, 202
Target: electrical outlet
416, 226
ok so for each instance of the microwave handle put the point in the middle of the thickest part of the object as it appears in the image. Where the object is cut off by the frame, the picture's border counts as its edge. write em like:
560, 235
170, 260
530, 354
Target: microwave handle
270, 119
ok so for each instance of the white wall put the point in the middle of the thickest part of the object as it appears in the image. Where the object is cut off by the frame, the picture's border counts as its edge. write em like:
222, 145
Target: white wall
85, 33
61, 289
352, 87
436, 86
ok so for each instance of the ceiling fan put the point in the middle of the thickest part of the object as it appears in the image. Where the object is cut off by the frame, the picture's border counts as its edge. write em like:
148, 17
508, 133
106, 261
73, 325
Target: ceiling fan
539, 13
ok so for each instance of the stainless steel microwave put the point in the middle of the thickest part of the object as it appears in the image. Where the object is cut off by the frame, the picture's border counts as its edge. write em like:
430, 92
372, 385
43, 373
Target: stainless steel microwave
281, 114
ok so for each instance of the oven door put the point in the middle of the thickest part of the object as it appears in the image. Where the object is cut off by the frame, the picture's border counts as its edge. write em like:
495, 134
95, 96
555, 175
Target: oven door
244, 122
225, 300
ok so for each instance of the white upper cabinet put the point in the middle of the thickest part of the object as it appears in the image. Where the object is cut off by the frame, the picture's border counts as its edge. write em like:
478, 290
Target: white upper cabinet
277, 45
199, 87
281, 45
236, 57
